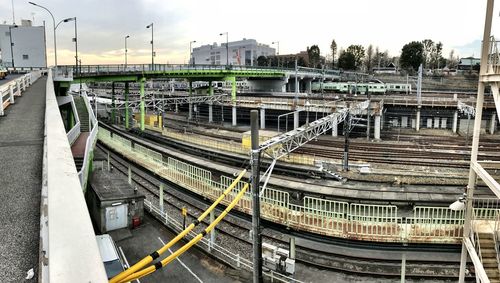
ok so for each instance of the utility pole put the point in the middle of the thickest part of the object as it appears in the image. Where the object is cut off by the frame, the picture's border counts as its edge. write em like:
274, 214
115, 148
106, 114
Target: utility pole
255, 163
347, 129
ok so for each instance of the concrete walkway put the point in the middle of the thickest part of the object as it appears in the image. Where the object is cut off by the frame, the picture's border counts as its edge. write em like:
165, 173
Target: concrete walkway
21, 152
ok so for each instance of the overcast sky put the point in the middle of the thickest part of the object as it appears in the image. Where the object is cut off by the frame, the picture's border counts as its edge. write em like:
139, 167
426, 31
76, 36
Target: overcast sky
389, 24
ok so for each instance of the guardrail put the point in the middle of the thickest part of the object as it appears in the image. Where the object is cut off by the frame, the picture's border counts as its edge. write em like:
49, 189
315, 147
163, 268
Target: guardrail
75, 131
68, 251
132, 68
380, 223
14, 88
89, 144
494, 56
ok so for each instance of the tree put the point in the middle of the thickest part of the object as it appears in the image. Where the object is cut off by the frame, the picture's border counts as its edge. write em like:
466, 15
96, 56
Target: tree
369, 58
314, 56
347, 61
262, 61
412, 55
436, 55
428, 49
333, 47
358, 52
452, 60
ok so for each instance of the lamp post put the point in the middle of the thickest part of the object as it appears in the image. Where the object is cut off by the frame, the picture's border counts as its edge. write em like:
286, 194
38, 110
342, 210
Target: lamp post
54, 25
12, 44
152, 47
278, 53
191, 58
126, 50
227, 46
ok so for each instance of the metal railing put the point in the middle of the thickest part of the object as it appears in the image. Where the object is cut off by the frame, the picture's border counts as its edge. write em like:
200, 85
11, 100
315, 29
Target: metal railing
331, 218
16, 87
89, 143
228, 256
494, 56
75, 131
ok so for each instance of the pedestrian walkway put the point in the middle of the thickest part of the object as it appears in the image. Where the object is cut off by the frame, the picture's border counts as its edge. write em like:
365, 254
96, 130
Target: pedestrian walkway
21, 157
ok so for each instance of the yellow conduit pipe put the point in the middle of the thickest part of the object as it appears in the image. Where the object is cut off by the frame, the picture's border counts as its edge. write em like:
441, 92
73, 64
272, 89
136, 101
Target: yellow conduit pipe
146, 260
167, 260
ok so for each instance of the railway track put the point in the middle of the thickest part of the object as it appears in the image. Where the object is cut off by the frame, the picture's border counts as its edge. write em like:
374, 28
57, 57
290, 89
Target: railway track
234, 232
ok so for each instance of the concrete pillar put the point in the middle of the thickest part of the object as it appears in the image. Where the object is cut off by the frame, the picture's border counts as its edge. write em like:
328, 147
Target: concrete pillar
292, 248
210, 113
429, 123
143, 113
129, 175
404, 122
234, 115
295, 120
262, 118
493, 123
413, 123
210, 88
308, 86
376, 134
417, 121
436, 122
455, 122
335, 132
444, 122
190, 113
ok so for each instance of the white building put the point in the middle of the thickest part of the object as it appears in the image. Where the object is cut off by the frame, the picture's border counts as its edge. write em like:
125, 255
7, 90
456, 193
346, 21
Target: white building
28, 46
242, 52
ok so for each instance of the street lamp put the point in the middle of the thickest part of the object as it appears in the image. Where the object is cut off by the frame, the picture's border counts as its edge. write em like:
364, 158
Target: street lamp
75, 39
227, 46
12, 44
278, 53
191, 51
152, 46
126, 50
54, 25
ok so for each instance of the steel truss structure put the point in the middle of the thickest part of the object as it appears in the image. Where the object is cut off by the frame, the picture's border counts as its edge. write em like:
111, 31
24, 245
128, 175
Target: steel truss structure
284, 144
159, 104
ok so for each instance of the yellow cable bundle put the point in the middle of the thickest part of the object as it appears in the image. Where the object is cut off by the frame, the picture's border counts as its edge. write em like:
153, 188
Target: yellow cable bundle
170, 258
148, 259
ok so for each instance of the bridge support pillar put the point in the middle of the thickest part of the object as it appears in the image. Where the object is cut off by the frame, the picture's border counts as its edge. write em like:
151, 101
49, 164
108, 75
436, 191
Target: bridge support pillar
377, 127
210, 113
233, 88
417, 121
143, 114
190, 113
234, 115
210, 88
126, 106
292, 248
493, 123
404, 122
455, 121
308, 86
295, 120
262, 118
335, 131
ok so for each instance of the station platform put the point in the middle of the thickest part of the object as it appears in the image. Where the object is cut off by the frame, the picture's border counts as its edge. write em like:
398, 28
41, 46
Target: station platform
21, 159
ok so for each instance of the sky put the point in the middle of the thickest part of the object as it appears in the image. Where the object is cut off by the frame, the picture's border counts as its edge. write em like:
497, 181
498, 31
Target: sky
389, 24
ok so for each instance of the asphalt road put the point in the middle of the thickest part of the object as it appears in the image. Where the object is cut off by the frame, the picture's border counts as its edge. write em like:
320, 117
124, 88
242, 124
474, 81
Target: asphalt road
9, 78
192, 266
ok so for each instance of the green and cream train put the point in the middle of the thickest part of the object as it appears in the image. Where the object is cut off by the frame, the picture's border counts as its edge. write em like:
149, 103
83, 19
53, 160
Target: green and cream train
361, 88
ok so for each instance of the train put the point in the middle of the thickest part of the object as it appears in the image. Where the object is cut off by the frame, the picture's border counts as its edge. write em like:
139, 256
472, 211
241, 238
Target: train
374, 87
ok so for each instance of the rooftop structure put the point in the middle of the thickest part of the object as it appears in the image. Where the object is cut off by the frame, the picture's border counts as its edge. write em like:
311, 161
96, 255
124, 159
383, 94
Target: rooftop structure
26, 42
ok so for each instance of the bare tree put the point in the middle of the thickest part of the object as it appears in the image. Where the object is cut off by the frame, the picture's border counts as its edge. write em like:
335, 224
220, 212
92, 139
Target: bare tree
369, 58
429, 46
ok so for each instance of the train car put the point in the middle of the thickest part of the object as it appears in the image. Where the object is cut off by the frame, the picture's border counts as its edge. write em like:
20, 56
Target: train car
377, 88
398, 88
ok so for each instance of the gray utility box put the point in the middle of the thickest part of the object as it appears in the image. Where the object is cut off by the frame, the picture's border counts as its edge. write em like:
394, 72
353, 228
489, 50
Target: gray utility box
113, 203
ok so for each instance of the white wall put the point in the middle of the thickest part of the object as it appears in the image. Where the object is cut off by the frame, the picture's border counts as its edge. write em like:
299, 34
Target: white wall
28, 41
